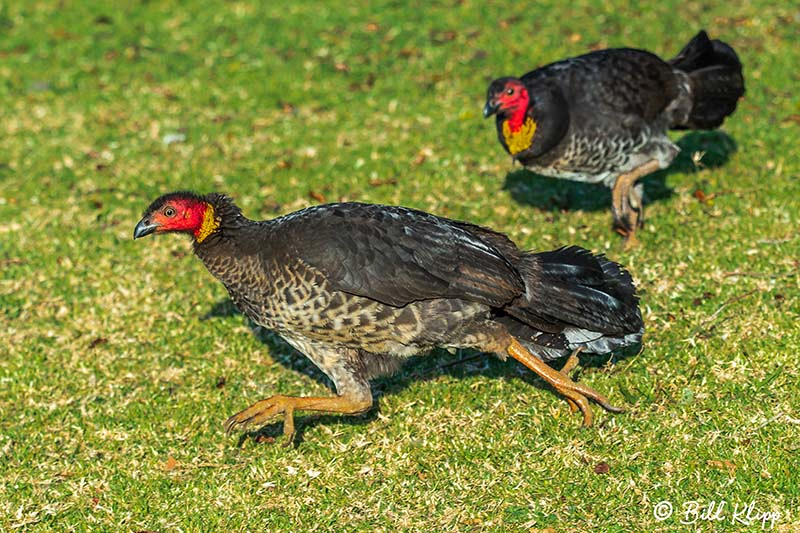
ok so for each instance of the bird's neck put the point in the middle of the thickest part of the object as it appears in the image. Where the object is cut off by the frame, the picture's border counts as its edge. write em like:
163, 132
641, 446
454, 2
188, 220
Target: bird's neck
209, 224
226, 235
235, 251
517, 119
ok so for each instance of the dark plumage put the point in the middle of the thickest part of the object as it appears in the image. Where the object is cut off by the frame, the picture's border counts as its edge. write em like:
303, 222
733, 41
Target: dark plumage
358, 288
603, 117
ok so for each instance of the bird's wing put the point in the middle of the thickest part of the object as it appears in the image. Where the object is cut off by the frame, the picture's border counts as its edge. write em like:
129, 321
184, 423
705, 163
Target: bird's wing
623, 84
396, 255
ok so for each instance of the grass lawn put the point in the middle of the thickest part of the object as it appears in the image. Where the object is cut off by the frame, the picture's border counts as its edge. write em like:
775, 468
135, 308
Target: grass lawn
120, 360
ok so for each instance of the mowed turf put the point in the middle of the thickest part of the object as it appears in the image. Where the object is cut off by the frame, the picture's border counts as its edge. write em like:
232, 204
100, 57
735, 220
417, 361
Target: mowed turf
120, 359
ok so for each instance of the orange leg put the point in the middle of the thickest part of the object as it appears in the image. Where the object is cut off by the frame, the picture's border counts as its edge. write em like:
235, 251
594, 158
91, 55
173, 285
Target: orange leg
263, 410
626, 202
575, 392
571, 363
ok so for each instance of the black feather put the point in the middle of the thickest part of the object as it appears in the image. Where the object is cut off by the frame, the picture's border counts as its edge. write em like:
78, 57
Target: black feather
396, 255
571, 286
716, 79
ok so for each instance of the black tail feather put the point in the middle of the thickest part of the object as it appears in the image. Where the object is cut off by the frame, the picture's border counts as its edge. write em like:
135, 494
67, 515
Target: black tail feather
572, 287
574, 299
716, 78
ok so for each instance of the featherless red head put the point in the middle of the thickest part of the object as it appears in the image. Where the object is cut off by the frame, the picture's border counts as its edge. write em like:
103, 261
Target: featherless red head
183, 211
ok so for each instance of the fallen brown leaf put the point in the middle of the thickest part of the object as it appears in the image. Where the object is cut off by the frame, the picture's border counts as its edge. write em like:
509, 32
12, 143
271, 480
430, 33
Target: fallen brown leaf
378, 183
170, 464
410, 52
318, 196
505, 23
700, 195
97, 342
601, 468
722, 465
442, 36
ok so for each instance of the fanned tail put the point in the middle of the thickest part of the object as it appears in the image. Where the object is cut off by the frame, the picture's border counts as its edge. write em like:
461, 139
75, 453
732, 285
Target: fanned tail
575, 299
716, 80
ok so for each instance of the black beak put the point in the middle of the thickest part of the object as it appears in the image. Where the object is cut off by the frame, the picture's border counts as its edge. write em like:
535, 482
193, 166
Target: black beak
143, 228
490, 108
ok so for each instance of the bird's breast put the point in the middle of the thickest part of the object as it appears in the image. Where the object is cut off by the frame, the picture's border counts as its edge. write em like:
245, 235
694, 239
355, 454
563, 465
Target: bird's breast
297, 301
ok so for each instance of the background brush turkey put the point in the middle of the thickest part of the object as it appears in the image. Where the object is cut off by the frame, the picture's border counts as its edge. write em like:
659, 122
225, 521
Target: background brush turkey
603, 117
119, 357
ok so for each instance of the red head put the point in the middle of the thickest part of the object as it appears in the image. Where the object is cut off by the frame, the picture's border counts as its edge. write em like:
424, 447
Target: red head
179, 211
508, 98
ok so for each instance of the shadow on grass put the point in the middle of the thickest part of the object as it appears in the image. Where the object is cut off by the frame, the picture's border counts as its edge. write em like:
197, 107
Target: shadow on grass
551, 194
438, 363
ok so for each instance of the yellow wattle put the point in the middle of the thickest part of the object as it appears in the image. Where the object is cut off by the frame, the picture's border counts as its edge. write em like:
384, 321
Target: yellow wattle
209, 225
519, 140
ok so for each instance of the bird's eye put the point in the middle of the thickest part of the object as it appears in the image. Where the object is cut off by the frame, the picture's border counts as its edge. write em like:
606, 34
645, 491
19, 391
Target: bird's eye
169, 212
509, 91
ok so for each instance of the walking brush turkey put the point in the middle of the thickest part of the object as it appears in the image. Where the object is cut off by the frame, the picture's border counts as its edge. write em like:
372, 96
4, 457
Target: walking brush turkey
603, 117
359, 288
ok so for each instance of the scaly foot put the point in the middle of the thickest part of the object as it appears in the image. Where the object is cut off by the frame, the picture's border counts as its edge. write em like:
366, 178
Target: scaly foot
263, 410
575, 392
627, 207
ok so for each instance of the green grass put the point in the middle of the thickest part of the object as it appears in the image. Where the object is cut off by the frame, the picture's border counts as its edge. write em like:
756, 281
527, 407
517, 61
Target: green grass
111, 374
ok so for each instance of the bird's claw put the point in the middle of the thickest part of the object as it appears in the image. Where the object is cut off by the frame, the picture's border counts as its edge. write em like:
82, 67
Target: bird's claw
261, 411
630, 242
578, 397
625, 227
628, 219
627, 205
576, 394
